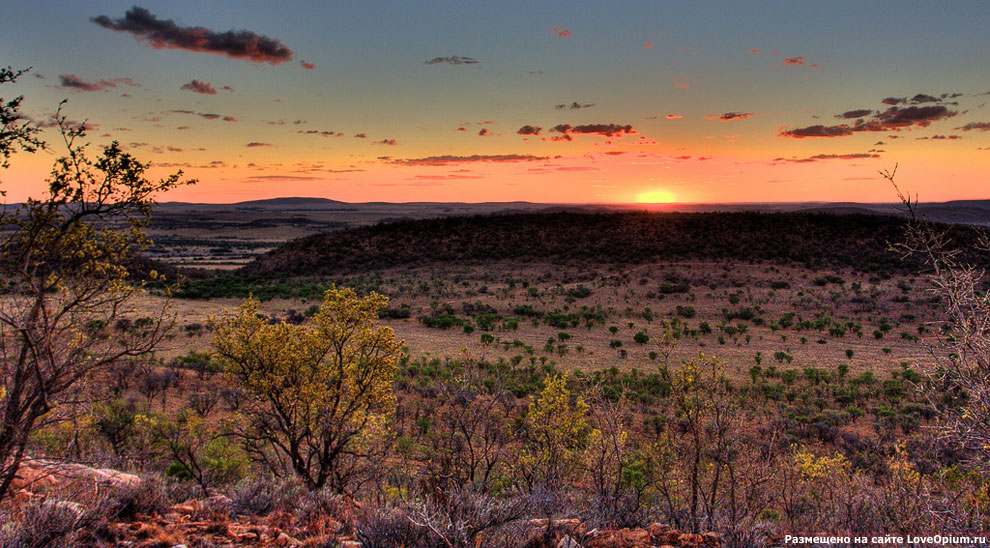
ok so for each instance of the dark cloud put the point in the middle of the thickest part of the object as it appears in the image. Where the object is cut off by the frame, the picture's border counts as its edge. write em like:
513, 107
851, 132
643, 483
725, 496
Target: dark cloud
924, 98
819, 157
360, 136
389, 142
975, 126
205, 88
818, 131
447, 160
529, 130
166, 34
452, 60
255, 144
858, 113
894, 100
896, 117
483, 132
573, 106
940, 138
607, 130
729, 116
892, 119
72, 81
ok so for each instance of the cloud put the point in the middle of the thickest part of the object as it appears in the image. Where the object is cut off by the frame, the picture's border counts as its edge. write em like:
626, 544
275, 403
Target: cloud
283, 178
682, 81
529, 130
673, 116
794, 61
307, 65
754, 51
920, 99
389, 142
562, 32
940, 138
447, 160
72, 81
975, 126
858, 113
729, 116
819, 157
484, 132
892, 119
573, 106
818, 131
207, 115
200, 87
607, 130
452, 60
166, 34
255, 144
648, 45
320, 133
360, 135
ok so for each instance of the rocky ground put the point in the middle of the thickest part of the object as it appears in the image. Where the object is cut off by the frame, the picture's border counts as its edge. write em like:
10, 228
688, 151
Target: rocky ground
40, 507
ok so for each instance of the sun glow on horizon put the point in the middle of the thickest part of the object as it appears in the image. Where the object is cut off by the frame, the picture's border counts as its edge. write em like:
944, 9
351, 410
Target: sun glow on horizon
656, 196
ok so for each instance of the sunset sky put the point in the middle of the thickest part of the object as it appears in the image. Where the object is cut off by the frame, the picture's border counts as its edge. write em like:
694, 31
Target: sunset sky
571, 102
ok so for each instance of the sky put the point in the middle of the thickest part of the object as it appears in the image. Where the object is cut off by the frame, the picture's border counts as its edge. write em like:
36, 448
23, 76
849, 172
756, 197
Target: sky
561, 102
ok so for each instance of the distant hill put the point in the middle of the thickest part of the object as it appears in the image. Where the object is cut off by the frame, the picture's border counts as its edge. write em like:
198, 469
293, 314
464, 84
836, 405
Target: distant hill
816, 240
291, 202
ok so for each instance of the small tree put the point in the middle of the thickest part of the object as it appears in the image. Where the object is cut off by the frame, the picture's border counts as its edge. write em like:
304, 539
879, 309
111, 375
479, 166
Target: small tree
958, 385
63, 262
556, 433
312, 391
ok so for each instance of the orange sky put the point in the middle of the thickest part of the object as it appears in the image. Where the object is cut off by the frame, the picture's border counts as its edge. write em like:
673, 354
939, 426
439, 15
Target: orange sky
398, 102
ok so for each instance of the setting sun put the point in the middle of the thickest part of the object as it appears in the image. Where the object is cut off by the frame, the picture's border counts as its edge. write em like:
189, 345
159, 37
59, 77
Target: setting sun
656, 196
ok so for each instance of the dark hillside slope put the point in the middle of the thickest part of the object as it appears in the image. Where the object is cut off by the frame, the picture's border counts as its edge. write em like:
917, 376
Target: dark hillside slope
813, 239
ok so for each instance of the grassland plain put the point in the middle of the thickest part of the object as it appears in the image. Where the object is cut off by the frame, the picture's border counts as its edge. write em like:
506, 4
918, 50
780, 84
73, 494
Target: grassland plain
752, 374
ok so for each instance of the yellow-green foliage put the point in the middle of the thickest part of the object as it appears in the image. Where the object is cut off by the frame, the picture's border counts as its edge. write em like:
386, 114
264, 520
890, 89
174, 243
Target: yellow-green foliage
314, 390
557, 430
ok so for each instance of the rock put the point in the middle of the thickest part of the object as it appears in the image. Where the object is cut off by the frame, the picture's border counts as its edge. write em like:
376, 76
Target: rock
657, 530
622, 538
712, 539
672, 537
38, 475
687, 540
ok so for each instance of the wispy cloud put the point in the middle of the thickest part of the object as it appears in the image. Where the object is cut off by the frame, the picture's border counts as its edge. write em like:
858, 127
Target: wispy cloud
388, 142
256, 144
975, 126
324, 133
166, 34
820, 157
562, 32
71, 81
607, 130
573, 106
447, 160
730, 116
207, 115
453, 60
